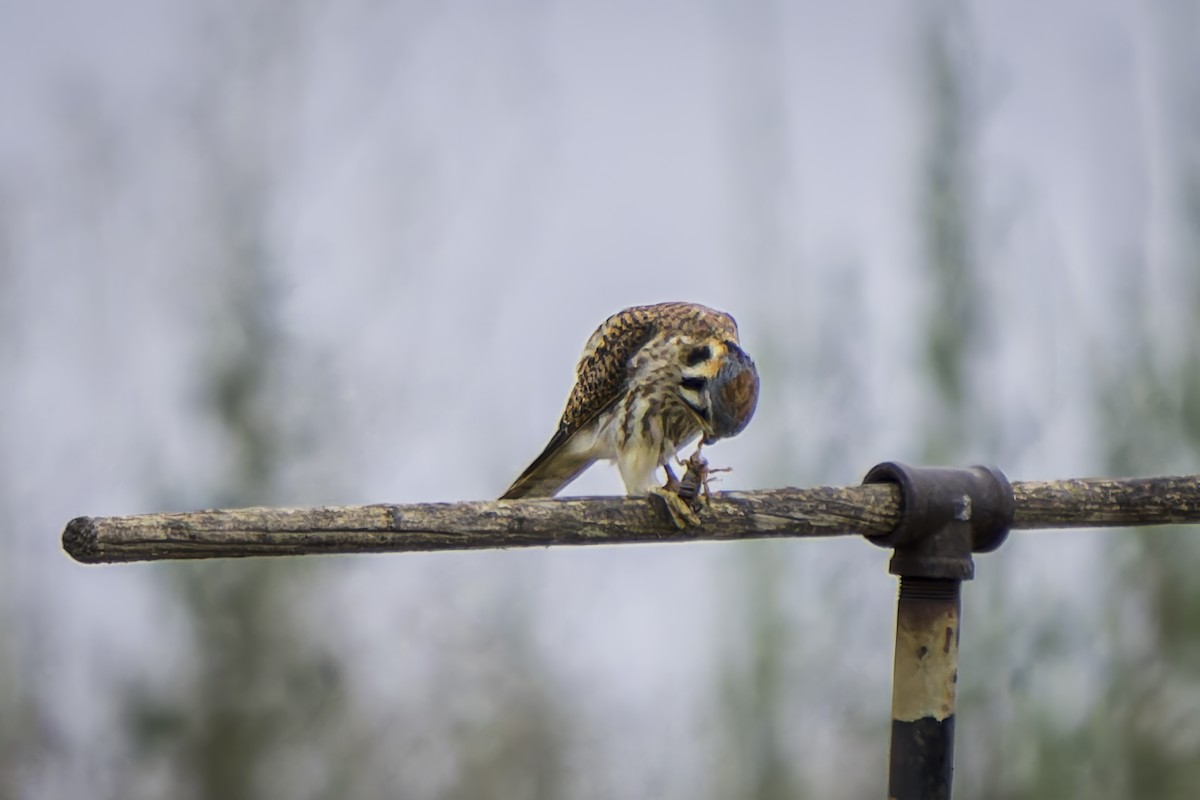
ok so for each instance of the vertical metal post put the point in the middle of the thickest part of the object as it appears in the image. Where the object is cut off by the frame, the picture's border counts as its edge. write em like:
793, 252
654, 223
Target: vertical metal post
946, 514
923, 681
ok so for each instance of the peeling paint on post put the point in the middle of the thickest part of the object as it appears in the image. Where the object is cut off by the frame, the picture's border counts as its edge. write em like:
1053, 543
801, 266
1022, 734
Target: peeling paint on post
924, 677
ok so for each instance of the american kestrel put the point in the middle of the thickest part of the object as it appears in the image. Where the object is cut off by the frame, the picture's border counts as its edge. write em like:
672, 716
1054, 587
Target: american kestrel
651, 379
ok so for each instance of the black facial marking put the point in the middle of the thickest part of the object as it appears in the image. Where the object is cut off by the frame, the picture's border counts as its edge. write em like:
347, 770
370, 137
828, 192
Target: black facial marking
697, 384
698, 354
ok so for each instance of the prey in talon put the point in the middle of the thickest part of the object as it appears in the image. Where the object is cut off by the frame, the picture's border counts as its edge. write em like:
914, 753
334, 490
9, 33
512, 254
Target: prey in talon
693, 486
651, 380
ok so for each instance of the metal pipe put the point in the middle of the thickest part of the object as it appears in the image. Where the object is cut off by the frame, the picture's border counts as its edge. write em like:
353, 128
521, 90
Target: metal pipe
923, 679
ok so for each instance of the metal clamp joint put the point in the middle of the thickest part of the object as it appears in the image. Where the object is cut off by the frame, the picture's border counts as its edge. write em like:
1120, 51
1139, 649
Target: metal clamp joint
946, 514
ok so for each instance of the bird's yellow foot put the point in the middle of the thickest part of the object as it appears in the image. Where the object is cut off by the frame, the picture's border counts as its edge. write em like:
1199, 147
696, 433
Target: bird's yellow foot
676, 507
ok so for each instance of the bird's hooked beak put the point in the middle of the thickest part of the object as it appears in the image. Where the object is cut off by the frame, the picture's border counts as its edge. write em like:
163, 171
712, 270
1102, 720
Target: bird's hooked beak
732, 394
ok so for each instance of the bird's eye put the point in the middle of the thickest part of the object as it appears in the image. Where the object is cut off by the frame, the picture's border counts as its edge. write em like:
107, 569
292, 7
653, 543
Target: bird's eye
698, 354
697, 384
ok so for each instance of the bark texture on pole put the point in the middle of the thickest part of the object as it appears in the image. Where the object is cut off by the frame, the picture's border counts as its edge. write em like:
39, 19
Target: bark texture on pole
1107, 502
823, 511
870, 510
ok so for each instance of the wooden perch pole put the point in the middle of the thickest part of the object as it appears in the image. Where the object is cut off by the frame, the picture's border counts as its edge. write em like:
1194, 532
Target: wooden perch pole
871, 510
823, 511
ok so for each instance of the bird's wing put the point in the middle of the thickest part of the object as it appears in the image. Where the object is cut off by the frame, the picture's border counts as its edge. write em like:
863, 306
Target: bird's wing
603, 371
600, 379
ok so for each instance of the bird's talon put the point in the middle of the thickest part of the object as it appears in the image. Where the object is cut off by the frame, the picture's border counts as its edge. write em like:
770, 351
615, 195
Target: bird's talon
680, 513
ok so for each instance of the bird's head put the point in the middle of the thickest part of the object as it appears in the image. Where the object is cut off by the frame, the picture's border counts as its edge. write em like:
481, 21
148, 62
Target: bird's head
733, 394
720, 383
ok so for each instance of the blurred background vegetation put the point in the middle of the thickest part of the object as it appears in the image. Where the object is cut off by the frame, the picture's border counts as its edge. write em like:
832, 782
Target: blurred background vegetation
299, 253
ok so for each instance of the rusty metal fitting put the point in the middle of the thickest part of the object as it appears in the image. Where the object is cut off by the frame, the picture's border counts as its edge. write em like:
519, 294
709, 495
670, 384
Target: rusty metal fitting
945, 515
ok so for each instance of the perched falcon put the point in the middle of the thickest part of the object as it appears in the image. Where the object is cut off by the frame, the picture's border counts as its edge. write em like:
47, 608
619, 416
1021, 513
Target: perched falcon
651, 379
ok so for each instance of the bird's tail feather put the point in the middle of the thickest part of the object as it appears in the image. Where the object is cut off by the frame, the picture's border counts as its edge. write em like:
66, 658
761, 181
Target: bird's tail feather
548, 474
